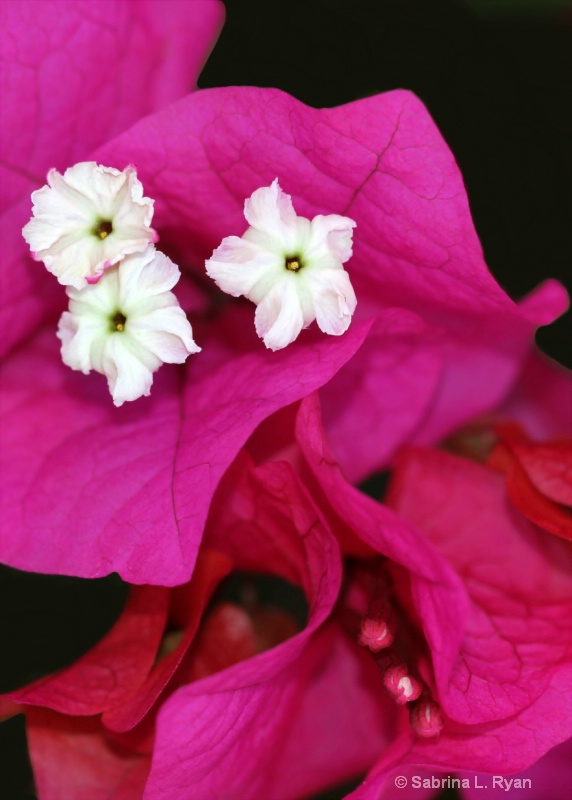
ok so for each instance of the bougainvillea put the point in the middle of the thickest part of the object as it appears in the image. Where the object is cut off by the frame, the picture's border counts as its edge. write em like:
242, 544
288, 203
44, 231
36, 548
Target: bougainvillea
439, 613
430, 321
101, 709
474, 675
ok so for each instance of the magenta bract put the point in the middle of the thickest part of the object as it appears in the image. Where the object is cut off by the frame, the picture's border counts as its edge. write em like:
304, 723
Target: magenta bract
92, 489
128, 491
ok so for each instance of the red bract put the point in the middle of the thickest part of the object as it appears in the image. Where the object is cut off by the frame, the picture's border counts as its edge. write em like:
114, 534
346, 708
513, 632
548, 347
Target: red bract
477, 599
506, 699
519, 583
217, 691
475, 596
538, 477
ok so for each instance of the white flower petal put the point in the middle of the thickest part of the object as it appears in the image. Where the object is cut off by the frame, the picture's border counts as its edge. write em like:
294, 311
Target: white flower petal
76, 345
292, 241
131, 195
334, 300
84, 340
166, 333
331, 235
274, 223
279, 319
145, 276
61, 205
269, 209
66, 190
65, 255
129, 370
99, 300
238, 265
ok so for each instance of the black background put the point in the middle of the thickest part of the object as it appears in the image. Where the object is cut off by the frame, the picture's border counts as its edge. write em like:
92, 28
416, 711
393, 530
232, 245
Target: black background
496, 78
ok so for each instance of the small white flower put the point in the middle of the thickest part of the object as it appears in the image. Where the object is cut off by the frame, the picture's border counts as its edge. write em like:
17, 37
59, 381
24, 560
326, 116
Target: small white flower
127, 324
88, 219
289, 266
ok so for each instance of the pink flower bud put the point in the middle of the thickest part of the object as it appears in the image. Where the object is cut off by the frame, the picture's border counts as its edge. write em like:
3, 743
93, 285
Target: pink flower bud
426, 719
375, 632
402, 686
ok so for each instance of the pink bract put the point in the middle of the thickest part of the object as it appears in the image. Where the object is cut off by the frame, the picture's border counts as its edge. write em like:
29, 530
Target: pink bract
94, 490
505, 590
548, 777
519, 582
491, 592
62, 99
267, 524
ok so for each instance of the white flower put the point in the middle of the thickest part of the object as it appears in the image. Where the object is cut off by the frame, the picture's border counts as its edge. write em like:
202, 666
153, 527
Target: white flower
289, 266
127, 324
88, 219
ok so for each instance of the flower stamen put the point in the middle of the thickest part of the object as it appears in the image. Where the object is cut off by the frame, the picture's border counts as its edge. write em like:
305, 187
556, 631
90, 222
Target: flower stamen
118, 322
293, 264
103, 229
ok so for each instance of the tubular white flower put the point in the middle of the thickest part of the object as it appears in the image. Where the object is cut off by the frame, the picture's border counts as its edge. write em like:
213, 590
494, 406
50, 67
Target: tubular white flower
289, 266
127, 324
88, 219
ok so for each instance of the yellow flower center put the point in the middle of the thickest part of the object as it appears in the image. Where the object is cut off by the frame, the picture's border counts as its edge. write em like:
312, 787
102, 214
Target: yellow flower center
103, 229
118, 321
293, 264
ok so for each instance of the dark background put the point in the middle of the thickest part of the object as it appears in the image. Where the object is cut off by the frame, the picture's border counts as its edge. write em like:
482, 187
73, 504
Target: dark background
495, 75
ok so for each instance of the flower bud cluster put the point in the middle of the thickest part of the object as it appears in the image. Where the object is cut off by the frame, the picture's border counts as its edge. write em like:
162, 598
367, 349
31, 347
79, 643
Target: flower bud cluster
379, 632
376, 627
426, 718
